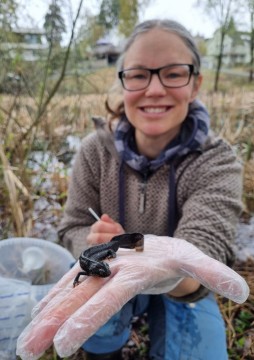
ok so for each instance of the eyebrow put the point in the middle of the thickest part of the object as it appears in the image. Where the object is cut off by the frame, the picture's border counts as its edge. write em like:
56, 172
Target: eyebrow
135, 67
146, 67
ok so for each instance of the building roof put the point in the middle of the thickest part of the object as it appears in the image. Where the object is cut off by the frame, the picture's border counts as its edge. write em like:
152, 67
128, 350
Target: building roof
23, 30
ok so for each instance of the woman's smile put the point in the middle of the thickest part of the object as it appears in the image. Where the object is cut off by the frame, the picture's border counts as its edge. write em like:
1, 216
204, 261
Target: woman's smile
155, 110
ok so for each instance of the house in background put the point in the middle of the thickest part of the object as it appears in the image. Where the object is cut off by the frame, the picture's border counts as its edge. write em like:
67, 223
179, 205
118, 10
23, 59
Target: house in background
105, 49
236, 49
30, 44
109, 47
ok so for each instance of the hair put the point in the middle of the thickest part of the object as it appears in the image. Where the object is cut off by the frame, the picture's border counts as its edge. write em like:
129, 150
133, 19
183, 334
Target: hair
167, 25
146, 26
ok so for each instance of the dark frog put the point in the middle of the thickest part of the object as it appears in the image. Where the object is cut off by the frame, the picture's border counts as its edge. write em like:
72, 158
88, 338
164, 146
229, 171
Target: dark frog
91, 260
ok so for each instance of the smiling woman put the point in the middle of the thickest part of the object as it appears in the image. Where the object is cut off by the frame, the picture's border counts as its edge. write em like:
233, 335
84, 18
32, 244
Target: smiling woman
158, 105
160, 140
152, 167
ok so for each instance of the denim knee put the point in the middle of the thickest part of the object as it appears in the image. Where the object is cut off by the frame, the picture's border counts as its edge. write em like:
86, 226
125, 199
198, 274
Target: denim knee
195, 331
177, 331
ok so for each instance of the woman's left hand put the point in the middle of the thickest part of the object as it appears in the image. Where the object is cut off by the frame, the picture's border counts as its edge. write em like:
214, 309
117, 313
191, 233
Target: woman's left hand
68, 316
103, 230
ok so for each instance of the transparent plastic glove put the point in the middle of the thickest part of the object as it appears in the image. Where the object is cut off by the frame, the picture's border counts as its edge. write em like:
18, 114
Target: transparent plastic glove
69, 316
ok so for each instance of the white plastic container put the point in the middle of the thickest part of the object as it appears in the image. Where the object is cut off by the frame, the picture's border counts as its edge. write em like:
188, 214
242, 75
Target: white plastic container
29, 267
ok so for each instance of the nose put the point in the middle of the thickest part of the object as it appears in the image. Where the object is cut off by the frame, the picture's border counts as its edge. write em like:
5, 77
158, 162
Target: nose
155, 87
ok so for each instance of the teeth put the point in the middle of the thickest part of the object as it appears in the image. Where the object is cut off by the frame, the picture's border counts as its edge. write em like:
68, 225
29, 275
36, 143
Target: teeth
155, 110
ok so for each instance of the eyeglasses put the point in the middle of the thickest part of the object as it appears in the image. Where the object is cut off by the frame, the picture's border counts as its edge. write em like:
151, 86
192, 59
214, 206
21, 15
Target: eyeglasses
171, 76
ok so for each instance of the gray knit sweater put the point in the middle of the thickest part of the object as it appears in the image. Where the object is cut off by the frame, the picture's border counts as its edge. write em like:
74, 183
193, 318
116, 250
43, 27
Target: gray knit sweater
208, 187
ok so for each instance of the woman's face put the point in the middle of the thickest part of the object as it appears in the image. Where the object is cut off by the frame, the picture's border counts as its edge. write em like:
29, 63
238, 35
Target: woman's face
157, 112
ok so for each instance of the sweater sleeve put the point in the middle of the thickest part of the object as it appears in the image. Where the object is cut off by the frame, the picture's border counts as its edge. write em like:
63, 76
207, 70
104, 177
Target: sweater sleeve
212, 204
83, 192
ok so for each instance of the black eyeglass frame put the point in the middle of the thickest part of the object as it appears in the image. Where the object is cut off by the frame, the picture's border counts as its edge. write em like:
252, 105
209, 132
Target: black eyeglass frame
192, 71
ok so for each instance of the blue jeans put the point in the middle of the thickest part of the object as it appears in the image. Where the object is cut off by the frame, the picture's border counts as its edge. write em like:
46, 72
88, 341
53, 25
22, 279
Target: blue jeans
178, 331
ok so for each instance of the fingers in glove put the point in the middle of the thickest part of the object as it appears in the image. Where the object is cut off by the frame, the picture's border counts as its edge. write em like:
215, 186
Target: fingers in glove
218, 277
94, 313
65, 283
38, 335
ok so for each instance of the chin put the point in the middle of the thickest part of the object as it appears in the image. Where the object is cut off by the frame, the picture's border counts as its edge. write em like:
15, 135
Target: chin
155, 131
154, 134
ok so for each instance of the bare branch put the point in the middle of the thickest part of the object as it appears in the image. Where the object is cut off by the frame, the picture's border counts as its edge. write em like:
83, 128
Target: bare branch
42, 109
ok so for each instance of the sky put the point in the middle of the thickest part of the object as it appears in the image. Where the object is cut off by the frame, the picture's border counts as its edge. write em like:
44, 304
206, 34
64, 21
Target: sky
183, 11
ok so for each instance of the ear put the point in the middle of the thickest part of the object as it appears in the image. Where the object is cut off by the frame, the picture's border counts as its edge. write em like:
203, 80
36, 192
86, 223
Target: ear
196, 86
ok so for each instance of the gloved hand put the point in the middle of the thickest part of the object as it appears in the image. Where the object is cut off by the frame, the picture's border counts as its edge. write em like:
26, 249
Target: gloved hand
69, 316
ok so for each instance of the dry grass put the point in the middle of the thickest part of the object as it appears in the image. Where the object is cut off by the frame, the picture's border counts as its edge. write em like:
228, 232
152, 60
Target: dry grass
14, 186
231, 114
249, 185
64, 115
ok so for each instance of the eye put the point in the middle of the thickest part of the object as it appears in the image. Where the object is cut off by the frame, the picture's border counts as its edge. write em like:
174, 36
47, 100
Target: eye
173, 74
139, 76
135, 74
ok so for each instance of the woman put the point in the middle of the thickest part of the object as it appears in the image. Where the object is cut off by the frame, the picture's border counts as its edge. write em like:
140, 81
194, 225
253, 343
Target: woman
159, 171
173, 179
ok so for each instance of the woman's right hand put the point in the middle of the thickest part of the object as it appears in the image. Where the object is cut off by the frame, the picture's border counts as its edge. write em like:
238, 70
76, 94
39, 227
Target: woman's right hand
103, 230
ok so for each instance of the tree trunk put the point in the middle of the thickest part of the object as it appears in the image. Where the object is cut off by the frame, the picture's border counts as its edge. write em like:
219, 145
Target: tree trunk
219, 62
251, 73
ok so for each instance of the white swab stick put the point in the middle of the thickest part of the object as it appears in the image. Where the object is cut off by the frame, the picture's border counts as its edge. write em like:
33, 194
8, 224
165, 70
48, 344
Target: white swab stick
94, 214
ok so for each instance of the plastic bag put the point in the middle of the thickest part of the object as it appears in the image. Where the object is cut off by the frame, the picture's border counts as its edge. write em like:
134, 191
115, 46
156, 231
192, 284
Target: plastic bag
24, 280
15, 313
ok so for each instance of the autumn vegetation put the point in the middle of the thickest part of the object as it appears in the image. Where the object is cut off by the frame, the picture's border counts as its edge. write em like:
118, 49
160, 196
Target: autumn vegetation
56, 96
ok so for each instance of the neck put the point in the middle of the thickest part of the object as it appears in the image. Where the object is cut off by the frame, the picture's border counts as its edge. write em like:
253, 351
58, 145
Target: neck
152, 146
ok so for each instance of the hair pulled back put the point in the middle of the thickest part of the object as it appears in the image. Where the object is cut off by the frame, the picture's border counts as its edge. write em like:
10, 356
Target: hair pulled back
167, 25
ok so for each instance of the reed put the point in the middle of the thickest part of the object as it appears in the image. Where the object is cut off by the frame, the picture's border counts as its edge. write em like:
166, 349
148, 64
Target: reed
14, 187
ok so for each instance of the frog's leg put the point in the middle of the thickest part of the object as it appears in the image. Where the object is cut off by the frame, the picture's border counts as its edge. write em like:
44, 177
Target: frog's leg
76, 280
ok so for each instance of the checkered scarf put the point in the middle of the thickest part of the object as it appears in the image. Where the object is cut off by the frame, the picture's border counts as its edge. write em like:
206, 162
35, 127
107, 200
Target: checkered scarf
193, 134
